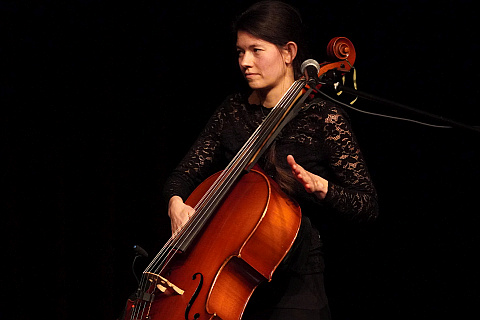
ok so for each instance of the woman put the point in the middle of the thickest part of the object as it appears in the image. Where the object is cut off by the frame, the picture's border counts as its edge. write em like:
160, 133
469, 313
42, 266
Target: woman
315, 159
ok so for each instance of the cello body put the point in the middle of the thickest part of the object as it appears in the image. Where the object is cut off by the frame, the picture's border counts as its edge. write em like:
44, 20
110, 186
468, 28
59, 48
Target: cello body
245, 241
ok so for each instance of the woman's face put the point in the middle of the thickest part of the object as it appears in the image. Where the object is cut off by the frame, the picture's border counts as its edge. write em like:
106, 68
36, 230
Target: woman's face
261, 62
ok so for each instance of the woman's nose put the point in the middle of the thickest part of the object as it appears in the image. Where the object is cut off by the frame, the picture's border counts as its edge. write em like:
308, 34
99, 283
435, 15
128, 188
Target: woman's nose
246, 61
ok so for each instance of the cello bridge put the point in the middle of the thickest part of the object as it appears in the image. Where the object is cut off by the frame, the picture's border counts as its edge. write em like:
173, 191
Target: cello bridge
162, 283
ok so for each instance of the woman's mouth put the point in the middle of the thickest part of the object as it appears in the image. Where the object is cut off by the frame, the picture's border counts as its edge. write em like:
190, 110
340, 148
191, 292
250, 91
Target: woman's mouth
250, 75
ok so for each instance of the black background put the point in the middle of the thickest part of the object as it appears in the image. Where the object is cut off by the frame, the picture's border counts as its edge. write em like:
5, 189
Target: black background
101, 99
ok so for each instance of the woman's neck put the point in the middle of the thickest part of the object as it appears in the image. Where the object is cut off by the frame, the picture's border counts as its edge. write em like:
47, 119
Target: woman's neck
269, 97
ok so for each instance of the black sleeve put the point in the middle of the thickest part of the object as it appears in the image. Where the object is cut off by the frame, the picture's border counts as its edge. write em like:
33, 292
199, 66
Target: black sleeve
350, 192
202, 160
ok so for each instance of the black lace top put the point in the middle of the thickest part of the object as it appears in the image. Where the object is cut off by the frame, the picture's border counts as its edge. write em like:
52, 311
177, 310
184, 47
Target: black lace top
320, 138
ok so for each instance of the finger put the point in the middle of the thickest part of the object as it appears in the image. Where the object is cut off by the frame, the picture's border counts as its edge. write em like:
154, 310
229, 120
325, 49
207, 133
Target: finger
178, 223
297, 169
175, 229
291, 162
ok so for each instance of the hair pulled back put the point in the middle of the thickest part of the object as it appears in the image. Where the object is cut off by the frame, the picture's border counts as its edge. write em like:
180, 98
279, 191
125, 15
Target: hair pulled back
277, 23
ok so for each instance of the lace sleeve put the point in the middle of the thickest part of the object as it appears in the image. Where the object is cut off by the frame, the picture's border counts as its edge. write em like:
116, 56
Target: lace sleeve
351, 191
201, 160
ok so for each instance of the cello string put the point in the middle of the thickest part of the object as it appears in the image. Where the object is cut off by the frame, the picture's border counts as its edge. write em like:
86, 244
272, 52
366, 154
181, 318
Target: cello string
178, 240
248, 146
206, 202
227, 178
201, 208
140, 304
237, 165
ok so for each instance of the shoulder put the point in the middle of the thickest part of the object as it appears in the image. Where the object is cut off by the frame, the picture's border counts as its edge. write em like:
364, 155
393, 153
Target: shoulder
236, 104
325, 107
232, 102
324, 111
236, 99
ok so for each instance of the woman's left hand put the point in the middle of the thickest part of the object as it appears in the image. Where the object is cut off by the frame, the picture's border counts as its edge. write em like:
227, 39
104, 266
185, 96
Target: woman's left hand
311, 182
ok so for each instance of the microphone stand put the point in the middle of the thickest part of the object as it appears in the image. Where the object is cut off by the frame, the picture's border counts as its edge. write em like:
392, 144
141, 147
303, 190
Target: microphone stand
338, 87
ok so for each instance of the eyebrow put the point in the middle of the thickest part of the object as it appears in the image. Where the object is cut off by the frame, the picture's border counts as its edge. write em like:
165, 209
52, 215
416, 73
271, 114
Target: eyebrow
250, 46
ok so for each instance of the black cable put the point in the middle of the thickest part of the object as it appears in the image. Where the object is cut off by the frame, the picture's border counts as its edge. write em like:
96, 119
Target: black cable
338, 87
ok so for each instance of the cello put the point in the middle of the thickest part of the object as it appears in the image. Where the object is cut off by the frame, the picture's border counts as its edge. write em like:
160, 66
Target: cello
242, 228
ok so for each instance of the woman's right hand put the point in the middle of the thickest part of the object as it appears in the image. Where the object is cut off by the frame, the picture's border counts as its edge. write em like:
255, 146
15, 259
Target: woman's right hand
179, 213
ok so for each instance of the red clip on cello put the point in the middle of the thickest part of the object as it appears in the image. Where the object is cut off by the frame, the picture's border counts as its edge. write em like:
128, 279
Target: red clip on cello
242, 228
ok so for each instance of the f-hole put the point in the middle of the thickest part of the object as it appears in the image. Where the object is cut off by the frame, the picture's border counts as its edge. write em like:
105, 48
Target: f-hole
194, 297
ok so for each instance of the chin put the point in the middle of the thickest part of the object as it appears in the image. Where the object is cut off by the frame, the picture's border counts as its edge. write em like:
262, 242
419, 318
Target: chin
254, 85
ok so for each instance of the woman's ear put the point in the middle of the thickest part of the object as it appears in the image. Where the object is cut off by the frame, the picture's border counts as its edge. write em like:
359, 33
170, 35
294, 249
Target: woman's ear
290, 52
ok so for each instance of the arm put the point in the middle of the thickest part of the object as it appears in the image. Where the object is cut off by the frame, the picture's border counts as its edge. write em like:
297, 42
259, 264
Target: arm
349, 190
199, 163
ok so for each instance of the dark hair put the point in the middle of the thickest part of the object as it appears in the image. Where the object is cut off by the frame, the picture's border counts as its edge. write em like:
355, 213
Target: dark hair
277, 23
